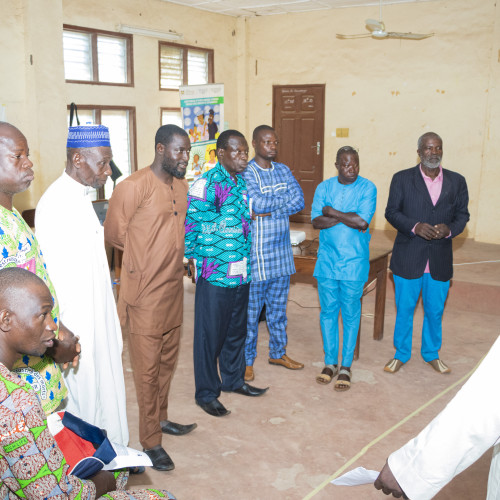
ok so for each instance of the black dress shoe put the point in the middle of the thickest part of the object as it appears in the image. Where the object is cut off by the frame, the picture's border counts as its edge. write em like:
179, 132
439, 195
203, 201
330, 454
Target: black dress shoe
214, 408
177, 429
250, 390
160, 458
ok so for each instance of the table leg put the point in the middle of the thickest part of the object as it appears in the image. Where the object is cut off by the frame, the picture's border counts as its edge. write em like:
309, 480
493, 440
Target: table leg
358, 340
380, 293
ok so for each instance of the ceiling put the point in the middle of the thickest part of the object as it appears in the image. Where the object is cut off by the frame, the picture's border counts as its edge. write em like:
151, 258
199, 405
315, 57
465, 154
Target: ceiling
251, 8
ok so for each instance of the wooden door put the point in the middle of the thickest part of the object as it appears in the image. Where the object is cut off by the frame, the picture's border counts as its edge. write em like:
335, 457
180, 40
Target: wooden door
299, 121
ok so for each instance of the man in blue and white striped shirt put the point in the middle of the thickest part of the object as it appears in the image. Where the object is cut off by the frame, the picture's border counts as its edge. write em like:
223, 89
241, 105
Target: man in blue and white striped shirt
274, 195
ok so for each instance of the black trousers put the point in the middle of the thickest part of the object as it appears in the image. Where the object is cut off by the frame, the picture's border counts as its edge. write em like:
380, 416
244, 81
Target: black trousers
220, 327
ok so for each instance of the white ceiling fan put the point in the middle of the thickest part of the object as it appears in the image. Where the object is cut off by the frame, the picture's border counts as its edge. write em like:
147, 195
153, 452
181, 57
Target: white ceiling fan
377, 30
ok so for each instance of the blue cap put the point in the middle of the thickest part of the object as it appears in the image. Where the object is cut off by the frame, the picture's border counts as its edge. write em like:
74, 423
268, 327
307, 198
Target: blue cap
88, 136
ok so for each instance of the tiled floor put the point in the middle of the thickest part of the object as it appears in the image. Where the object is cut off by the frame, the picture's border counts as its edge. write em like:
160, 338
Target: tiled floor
289, 443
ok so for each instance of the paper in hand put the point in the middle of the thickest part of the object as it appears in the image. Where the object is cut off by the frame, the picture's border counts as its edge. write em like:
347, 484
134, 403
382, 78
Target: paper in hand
127, 457
356, 477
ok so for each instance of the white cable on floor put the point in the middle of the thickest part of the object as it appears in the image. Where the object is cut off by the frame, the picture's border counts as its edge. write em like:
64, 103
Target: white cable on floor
479, 262
388, 432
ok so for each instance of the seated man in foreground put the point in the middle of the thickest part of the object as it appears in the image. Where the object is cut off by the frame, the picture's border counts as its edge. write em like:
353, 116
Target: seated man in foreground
33, 465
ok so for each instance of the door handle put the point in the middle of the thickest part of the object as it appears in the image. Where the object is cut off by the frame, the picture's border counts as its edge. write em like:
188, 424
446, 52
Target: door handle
317, 147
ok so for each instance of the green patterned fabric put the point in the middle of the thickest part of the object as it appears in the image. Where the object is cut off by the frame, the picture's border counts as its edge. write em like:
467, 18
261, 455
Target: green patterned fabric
19, 248
218, 228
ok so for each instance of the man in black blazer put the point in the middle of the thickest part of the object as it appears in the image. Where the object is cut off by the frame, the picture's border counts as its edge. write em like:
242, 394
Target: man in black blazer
428, 206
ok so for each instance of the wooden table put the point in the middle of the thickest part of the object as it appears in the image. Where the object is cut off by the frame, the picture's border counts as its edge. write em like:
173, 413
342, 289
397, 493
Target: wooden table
305, 260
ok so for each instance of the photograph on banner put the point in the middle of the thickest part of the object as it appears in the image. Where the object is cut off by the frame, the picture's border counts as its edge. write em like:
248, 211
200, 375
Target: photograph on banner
202, 123
202, 111
202, 118
203, 158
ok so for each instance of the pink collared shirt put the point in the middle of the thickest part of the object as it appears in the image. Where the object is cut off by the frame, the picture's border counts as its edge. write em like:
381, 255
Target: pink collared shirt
434, 186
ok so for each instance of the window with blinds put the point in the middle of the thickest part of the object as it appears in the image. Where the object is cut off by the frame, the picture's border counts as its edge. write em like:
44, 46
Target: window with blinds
112, 59
97, 57
198, 67
77, 56
184, 65
171, 59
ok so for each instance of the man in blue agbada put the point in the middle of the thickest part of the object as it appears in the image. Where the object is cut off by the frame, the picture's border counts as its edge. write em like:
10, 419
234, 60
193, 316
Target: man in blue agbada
218, 242
342, 208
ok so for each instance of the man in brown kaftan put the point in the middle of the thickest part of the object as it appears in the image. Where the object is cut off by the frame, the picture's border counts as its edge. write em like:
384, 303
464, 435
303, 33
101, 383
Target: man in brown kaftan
145, 219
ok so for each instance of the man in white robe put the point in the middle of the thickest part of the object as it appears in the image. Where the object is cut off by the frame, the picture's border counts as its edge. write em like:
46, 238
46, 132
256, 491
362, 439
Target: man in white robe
454, 440
72, 242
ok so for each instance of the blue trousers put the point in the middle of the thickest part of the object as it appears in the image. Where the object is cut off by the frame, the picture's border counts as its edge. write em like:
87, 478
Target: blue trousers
220, 324
335, 296
273, 293
434, 295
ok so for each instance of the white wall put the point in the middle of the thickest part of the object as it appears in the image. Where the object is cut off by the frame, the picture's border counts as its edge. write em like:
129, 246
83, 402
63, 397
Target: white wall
387, 92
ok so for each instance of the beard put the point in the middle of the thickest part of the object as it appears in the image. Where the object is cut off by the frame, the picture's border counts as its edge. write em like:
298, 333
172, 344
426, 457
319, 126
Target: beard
172, 169
431, 164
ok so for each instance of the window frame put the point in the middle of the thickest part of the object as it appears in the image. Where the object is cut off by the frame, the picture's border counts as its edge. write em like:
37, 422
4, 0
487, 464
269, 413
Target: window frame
95, 66
210, 71
98, 108
162, 109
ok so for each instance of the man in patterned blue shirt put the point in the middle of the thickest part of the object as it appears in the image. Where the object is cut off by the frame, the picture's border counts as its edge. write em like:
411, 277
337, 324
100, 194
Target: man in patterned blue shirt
218, 242
274, 196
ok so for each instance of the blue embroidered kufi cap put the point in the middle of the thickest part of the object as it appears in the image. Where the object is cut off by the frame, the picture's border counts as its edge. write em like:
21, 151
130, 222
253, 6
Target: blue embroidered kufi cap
88, 136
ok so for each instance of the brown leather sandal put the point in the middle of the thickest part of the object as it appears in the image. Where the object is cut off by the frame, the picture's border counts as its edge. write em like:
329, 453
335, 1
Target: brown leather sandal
326, 375
343, 385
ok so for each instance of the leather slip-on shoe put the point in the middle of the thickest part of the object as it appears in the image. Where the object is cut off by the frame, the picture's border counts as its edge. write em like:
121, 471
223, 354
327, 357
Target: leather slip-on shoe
393, 365
249, 390
286, 362
249, 375
159, 457
439, 365
214, 408
177, 429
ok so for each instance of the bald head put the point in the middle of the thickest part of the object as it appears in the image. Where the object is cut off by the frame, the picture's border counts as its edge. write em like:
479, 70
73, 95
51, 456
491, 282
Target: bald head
26, 324
16, 173
7, 131
14, 281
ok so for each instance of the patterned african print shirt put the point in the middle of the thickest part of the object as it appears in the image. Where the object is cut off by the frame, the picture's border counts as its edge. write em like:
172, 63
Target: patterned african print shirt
32, 464
218, 228
20, 248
